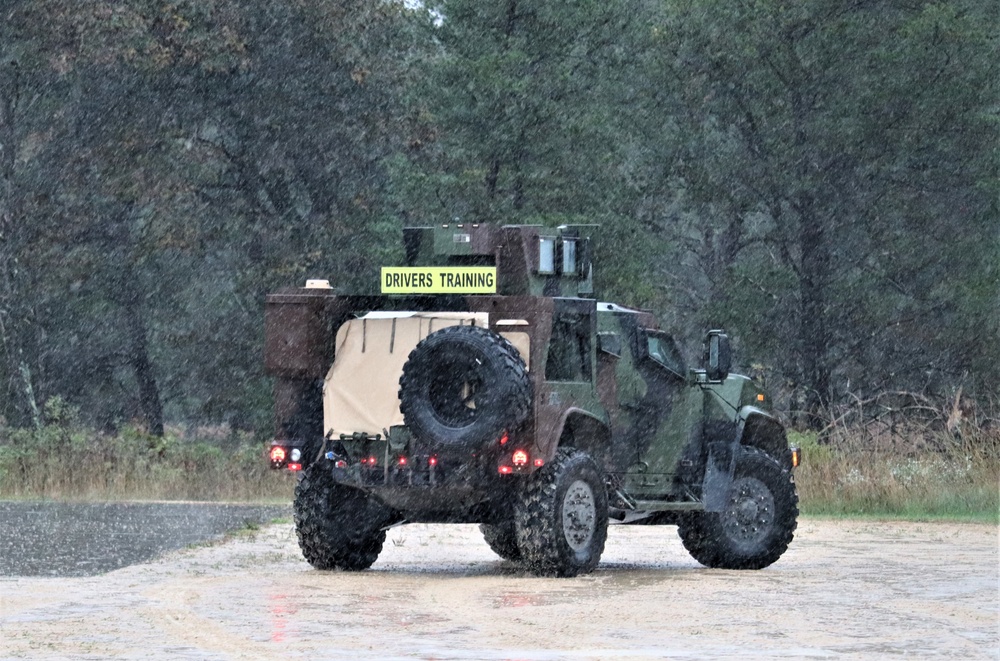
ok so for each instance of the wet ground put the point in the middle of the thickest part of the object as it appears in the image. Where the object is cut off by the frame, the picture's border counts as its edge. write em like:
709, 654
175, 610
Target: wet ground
844, 590
83, 539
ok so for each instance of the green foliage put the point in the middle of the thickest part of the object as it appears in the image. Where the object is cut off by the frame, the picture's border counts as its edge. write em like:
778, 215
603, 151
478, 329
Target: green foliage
832, 182
857, 478
64, 460
524, 117
178, 161
819, 177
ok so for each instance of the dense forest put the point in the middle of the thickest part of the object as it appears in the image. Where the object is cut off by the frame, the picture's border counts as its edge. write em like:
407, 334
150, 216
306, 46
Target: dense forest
820, 177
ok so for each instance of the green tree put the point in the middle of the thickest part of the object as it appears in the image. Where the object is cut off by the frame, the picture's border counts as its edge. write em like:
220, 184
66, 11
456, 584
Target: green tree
29, 97
834, 152
523, 117
180, 160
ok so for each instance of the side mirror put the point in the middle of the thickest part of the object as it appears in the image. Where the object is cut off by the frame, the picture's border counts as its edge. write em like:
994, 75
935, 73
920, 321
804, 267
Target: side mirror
719, 358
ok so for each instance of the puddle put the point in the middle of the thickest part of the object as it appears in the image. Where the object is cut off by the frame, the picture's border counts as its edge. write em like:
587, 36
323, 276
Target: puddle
85, 539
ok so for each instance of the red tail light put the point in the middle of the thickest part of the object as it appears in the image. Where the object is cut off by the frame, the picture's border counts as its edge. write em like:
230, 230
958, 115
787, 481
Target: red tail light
277, 454
402, 461
432, 461
519, 458
506, 470
294, 467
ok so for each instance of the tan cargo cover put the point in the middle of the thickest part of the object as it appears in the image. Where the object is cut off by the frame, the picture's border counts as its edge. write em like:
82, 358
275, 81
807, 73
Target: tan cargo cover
360, 392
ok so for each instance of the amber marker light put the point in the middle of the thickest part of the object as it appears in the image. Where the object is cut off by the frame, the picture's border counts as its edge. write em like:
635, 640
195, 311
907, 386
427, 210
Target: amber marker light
796, 457
760, 397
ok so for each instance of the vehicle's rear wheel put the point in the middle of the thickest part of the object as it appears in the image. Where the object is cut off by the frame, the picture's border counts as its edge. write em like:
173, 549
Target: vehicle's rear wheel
759, 520
462, 385
502, 538
561, 516
338, 527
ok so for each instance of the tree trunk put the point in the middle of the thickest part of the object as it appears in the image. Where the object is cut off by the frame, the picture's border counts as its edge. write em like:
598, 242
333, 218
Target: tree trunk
492, 176
721, 248
129, 297
13, 321
814, 332
149, 393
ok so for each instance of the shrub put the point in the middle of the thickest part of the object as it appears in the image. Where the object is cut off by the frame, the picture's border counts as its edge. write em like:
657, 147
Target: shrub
911, 470
66, 461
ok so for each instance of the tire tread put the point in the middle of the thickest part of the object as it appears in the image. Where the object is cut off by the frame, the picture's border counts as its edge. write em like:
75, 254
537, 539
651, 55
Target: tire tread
333, 523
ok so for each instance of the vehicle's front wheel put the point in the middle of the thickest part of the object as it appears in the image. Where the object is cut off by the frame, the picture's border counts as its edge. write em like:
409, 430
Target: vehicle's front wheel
757, 524
561, 516
338, 527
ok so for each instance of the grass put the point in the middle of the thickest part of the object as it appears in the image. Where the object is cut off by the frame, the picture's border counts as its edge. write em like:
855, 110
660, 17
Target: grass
854, 473
954, 480
64, 461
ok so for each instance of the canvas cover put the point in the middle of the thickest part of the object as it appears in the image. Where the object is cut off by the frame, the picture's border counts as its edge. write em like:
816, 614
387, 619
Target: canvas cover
360, 392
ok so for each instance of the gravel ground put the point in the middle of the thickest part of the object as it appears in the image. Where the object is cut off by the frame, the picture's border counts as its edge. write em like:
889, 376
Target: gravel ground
844, 590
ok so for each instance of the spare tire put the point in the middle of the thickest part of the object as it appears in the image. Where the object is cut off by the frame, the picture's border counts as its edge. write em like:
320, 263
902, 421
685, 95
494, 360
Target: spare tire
462, 386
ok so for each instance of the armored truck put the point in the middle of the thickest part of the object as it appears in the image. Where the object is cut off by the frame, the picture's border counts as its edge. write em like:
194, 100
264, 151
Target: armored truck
486, 383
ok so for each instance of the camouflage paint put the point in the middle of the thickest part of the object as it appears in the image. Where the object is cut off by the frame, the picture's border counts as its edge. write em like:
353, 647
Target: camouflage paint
656, 453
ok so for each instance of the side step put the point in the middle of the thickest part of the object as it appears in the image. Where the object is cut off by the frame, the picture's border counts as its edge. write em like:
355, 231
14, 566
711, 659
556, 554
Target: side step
668, 506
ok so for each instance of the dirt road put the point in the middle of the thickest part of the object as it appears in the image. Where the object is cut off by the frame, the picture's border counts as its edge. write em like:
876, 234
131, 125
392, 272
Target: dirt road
844, 590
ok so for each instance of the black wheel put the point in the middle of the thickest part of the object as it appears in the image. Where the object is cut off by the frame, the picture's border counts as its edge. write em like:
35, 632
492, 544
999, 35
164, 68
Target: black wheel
561, 516
502, 538
462, 385
758, 522
338, 527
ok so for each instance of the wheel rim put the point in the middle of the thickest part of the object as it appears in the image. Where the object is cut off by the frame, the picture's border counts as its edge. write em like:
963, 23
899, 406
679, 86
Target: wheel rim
749, 515
453, 390
579, 515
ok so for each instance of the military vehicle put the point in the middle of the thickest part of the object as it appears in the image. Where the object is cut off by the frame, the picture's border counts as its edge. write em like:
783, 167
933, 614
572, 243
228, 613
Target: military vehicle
486, 384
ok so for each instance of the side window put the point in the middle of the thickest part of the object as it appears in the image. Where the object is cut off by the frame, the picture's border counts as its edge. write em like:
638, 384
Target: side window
665, 352
569, 350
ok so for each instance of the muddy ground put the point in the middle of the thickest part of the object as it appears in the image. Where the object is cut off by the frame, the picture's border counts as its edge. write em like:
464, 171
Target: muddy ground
844, 590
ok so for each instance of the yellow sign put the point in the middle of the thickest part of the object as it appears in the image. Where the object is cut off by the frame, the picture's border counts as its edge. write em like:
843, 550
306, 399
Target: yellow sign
439, 280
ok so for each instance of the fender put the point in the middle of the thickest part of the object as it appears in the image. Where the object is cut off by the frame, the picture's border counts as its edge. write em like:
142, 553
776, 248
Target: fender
761, 429
748, 411
590, 432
